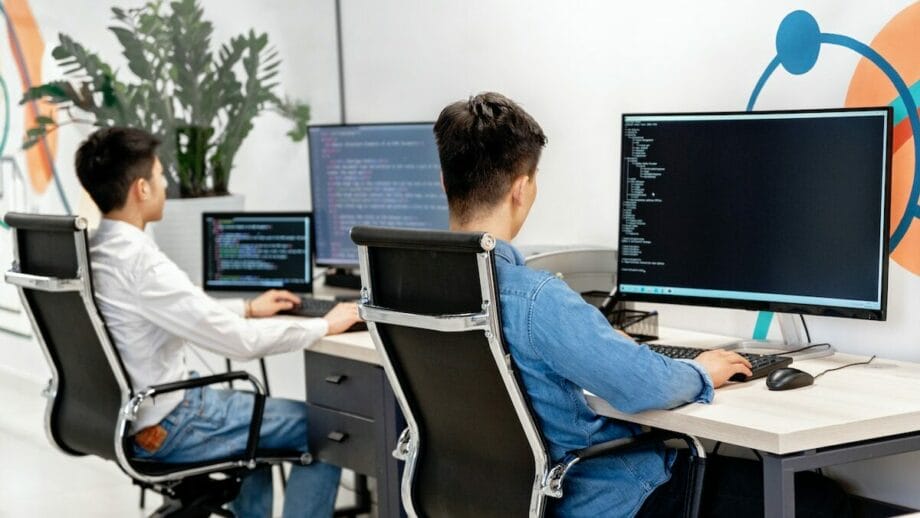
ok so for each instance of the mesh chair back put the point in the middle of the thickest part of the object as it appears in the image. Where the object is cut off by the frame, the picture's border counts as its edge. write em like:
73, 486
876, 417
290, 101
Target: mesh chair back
473, 455
87, 393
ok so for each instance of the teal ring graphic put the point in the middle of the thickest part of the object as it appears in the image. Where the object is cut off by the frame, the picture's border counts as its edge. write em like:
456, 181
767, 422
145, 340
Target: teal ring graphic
798, 42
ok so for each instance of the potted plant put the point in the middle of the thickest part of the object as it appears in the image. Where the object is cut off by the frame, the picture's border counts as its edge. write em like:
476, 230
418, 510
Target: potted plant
200, 103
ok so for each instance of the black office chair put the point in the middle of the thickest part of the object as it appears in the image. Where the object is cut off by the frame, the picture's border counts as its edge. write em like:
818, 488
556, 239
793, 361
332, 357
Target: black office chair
90, 399
471, 447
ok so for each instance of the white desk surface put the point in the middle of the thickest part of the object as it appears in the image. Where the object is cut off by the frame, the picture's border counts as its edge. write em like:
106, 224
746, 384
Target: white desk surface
354, 346
853, 404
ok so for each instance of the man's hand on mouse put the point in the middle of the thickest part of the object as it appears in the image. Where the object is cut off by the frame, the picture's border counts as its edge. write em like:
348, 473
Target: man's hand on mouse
341, 317
722, 364
270, 303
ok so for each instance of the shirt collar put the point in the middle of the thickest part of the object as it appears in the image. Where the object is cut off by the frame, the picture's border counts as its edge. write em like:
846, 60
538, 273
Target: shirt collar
506, 252
113, 226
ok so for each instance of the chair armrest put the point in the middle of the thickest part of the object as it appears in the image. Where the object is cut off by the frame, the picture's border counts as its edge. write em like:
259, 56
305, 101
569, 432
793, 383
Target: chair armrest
252, 444
635, 442
162, 388
552, 482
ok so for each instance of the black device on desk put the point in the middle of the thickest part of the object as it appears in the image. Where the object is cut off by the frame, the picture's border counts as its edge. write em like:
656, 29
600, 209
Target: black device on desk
761, 364
783, 211
775, 211
256, 251
371, 174
789, 378
314, 308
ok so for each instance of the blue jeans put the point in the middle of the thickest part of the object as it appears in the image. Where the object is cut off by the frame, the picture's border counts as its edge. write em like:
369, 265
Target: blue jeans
211, 423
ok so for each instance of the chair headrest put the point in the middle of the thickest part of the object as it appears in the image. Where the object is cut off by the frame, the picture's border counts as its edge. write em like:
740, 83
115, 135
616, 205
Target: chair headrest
423, 239
45, 222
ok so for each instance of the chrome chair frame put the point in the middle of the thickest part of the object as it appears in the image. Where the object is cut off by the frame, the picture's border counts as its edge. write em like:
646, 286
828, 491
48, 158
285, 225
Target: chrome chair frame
548, 478
131, 400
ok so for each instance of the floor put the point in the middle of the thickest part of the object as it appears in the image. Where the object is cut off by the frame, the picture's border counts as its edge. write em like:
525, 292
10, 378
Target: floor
38, 480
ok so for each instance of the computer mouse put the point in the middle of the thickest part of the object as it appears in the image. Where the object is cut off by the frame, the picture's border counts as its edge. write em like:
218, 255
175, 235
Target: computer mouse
789, 378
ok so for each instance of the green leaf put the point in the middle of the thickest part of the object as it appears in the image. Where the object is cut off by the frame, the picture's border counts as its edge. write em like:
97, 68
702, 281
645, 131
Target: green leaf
55, 92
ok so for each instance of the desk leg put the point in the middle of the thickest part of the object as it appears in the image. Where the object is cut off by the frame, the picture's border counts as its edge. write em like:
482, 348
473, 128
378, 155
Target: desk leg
778, 488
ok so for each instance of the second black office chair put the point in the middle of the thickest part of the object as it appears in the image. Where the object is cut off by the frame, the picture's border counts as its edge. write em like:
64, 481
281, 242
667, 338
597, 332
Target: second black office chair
472, 448
91, 401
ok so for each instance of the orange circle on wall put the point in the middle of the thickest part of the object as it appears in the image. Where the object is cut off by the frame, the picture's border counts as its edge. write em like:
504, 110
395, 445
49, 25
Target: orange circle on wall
899, 43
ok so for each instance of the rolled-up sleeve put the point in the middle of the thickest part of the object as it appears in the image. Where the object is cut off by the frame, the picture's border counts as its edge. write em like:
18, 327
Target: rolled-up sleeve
576, 341
170, 301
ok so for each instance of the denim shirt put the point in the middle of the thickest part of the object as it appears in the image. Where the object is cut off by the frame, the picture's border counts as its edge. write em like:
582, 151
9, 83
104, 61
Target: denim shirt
562, 346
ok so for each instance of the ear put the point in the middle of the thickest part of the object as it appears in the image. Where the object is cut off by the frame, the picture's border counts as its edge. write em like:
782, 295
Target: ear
517, 189
142, 189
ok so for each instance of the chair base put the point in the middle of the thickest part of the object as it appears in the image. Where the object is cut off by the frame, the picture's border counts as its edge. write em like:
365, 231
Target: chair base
198, 497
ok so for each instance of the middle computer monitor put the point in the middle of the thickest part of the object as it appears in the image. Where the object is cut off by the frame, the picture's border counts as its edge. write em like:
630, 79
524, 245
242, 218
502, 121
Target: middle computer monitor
372, 174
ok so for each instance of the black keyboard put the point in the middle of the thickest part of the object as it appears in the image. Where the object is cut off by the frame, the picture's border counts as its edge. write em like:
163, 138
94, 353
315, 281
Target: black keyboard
310, 307
761, 364
315, 308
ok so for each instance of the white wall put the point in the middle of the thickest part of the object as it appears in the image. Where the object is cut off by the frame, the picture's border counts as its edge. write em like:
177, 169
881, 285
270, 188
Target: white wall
575, 66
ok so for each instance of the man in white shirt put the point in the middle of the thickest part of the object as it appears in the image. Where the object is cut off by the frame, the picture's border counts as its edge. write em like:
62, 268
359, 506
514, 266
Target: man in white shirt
154, 312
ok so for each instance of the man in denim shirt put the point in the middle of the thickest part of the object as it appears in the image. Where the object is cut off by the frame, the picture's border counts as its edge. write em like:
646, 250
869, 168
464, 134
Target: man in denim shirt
489, 149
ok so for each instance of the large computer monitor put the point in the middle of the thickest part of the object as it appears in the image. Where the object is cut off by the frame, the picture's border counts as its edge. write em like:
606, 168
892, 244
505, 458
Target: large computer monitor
782, 211
256, 251
372, 174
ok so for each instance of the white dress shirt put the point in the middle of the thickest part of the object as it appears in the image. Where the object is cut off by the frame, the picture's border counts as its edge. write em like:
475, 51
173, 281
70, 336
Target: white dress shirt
153, 311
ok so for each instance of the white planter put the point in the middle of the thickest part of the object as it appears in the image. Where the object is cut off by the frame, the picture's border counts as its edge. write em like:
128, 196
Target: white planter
178, 234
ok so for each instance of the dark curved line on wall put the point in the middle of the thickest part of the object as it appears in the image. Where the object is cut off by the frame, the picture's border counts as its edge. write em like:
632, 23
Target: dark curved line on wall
911, 211
24, 75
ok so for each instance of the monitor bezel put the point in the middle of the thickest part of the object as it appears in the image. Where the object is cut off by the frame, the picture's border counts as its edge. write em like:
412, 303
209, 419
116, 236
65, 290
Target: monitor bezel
756, 305
305, 288
332, 264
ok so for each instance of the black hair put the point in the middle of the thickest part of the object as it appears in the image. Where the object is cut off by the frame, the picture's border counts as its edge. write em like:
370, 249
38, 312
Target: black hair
483, 144
110, 160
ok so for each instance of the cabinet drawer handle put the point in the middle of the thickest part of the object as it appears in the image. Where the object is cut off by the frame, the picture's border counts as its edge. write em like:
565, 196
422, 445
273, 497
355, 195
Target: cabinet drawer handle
335, 379
337, 436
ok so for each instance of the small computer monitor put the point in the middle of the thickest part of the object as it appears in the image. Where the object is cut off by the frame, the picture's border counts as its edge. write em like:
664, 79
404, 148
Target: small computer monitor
257, 251
782, 211
372, 174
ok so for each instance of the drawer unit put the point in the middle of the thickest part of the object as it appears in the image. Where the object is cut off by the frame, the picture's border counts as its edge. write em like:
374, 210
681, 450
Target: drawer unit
346, 385
342, 439
353, 421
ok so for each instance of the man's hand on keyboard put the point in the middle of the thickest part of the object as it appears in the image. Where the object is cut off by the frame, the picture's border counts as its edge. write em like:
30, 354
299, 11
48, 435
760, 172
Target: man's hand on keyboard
722, 364
342, 317
270, 303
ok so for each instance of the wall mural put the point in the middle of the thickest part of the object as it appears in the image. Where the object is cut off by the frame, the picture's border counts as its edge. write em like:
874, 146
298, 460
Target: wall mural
27, 48
18, 188
887, 74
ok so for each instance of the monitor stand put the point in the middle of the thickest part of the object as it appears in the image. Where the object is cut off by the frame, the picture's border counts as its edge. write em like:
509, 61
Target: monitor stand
343, 278
794, 337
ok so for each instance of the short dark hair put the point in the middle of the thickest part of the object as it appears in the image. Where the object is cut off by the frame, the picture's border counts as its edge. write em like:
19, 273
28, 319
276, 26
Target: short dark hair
483, 143
109, 161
